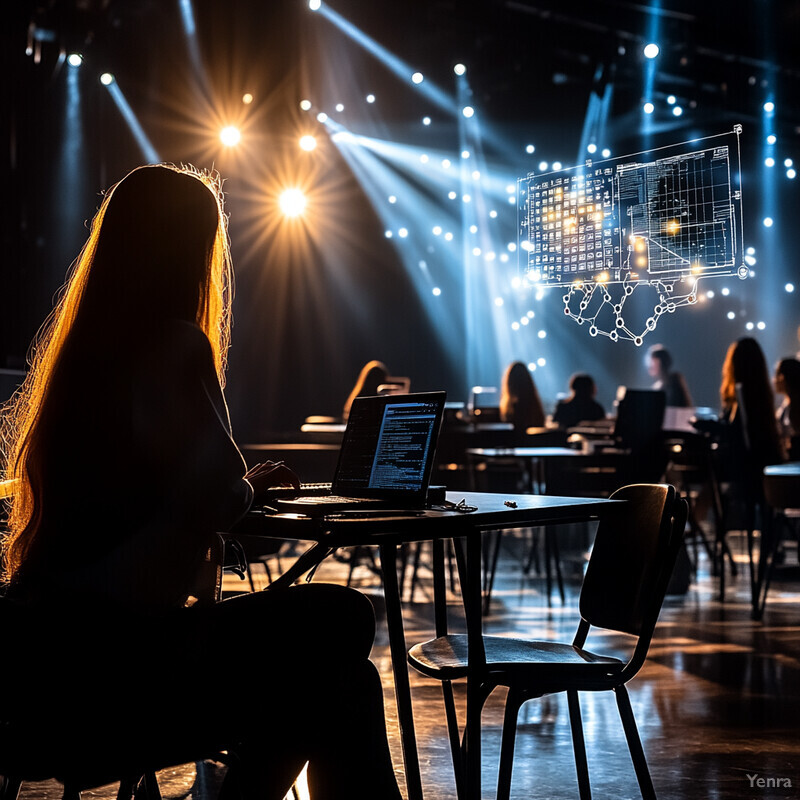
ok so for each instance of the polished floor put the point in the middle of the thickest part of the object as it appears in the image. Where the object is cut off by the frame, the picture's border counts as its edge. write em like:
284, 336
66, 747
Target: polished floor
717, 702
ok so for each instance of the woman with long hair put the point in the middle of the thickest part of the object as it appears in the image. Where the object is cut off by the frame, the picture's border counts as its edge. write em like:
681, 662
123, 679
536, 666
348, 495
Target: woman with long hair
372, 375
519, 399
787, 383
125, 469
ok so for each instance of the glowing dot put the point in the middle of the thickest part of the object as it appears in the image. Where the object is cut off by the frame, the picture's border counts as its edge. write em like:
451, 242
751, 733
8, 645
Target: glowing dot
466, 198
515, 326
769, 106
370, 98
476, 251
592, 148
426, 120
247, 98
292, 202
541, 361
305, 105
314, 4
750, 260
230, 136
437, 230
465, 154
524, 321
516, 282
402, 233
672, 99
726, 291
731, 315
532, 366
530, 314
340, 107
476, 175
556, 165
424, 158
504, 257
772, 138
493, 214
448, 236
417, 77
307, 143
446, 163
106, 79
491, 256
498, 301
769, 162
392, 199
751, 251
74, 59
388, 234
473, 228
768, 222
749, 326
761, 325
512, 247
322, 117
677, 111
510, 188
651, 50
789, 287
459, 69
511, 200
468, 111
452, 195
787, 162
530, 149
542, 166
791, 173
606, 152
709, 294
648, 108
542, 334
436, 291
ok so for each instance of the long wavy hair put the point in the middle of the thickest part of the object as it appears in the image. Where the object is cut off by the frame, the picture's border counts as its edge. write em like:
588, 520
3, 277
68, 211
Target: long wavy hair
157, 250
519, 399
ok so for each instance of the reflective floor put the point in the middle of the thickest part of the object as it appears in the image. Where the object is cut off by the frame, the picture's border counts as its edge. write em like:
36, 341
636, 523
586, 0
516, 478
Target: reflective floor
717, 702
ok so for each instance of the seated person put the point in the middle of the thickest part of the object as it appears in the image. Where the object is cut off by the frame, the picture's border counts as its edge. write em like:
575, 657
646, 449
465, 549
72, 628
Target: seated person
659, 367
519, 399
373, 374
787, 382
580, 406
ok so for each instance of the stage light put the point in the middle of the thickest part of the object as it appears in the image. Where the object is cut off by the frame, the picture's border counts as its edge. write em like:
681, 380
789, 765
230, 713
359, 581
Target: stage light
468, 111
436, 291
769, 162
761, 325
726, 291
556, 165
709, 294
768, 222
541, 362
417, 77
515, 326
476, 175
542, 334
230, 136
476, 251
370, 98
531, 314
493, 214
473, 228
448, 237
672, 99
106, 79
437, 230
524, 321
305, 105
787, 162
314, 5
424, 159
530, 149
648, 108
498, 301
543, 166
388, 234
452, 195
731, 315
511, 200
490, 256
512, 247
592, 148
307, 143
247, 98
465, 154
392, 199
769, 107
791, 174
504, 257
677, 111
466, 198
750, 251
772, 138
459, 69
322, 117
789, 287
402, 233
340, 107
292, 202
651, 50
426, 120
74, 59
606, 153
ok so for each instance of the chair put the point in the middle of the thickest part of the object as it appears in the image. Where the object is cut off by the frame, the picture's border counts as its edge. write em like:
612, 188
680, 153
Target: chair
624, 587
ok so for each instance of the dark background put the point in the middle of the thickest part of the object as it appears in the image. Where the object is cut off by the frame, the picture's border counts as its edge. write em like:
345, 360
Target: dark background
318, 297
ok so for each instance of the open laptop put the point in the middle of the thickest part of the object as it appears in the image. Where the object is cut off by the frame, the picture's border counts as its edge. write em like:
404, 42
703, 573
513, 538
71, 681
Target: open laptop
386, 458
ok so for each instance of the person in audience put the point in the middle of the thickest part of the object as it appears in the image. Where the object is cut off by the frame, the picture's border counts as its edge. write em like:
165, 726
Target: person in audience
580, 406
121, 447
659, 367
787, 383
519, 400
372, 375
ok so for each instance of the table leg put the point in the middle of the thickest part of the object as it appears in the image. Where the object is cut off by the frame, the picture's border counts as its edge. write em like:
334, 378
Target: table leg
402, 686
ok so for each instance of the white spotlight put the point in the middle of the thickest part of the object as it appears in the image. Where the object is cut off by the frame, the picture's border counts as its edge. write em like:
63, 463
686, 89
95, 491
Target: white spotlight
402, 233
468, 111
556, 165
305, 105
769, 106
768, 222
772, 138
787, 162
543, 166
340, 107
731, 315
672, 99
230, 136
465, 154
789, 287
322, 117
370, 98
606, 152
761, 325
452, 195
436, 291
459, 69
307, 143
592, 148
648, 108
769, 162
791, 173
292, 202
74, 59
417, 77
392, 199
106, 79
314, 4
426, 120
541, 361
651, 50
677, 111
445, 163
530, 149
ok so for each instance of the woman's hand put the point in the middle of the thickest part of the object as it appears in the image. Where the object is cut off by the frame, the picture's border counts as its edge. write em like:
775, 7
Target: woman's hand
271, 474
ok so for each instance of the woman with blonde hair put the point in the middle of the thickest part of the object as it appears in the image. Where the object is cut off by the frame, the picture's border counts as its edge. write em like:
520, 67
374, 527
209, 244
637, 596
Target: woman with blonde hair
120, 445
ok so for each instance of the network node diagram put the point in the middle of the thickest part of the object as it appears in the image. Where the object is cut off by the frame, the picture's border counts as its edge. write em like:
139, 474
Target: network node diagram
653, 223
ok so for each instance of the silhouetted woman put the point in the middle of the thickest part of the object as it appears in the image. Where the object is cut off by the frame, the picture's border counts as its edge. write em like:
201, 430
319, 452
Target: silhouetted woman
659, 366
372, 375
787, 383
519, 400
580, 406
121, 446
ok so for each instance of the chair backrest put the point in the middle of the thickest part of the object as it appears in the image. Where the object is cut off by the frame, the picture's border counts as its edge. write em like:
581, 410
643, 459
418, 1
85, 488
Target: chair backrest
632, 560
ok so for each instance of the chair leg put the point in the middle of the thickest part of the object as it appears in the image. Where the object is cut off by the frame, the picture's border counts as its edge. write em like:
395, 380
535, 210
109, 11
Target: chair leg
578, 744
634, 744
9, 787
513, 702
453, 735
71, 792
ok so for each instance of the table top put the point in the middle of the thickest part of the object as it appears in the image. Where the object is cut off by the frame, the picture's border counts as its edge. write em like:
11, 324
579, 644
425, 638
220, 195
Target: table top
491, 511
524, 452
790, 469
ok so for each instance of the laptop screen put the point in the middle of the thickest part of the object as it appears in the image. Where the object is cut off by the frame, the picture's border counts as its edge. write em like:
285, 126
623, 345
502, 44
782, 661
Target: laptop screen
389, 446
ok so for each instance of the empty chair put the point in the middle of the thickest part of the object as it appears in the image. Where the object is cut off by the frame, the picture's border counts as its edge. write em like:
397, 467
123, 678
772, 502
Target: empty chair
626, 580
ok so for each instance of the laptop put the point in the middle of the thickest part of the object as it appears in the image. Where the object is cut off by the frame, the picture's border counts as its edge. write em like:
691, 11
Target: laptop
386, 458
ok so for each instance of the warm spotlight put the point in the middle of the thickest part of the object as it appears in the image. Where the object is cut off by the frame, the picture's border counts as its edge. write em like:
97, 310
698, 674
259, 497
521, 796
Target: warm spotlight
305, 105
74, 59
106, 79
292, 202
247, 98
651, 50
307, 143
230, 136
